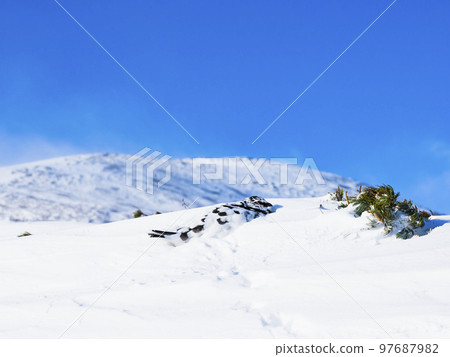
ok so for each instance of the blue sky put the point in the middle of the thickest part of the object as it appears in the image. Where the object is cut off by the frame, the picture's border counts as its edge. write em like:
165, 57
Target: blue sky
225, 70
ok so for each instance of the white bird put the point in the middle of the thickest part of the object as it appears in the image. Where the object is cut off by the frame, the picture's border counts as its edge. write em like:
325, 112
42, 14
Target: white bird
220, 219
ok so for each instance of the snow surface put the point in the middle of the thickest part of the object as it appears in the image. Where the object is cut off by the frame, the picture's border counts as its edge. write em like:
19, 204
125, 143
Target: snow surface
265, 279
91, 188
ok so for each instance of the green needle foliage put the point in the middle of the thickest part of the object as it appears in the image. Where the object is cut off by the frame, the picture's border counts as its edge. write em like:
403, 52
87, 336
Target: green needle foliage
138, 214
382, 202
339, 196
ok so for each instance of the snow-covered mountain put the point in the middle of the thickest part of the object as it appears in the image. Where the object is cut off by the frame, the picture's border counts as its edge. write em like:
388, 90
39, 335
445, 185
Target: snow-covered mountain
307, 270
92, 188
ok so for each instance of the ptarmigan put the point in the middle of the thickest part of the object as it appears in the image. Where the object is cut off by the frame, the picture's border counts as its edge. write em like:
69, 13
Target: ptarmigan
220, 220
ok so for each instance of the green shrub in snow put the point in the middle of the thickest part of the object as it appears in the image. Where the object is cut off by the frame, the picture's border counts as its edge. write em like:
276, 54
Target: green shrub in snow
138, 214
382, 202
338, 195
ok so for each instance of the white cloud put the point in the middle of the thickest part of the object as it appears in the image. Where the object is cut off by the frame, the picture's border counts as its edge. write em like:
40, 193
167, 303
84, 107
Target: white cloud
15, 149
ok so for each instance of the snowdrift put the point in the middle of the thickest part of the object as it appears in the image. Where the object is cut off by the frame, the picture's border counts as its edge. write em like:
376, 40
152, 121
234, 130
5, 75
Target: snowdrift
300, 272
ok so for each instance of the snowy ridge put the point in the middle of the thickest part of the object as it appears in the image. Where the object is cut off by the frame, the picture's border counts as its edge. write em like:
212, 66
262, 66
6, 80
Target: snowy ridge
91, 188
264, 279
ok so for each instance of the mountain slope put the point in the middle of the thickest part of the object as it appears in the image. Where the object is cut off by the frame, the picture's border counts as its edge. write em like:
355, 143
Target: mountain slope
301, 272
91, 188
